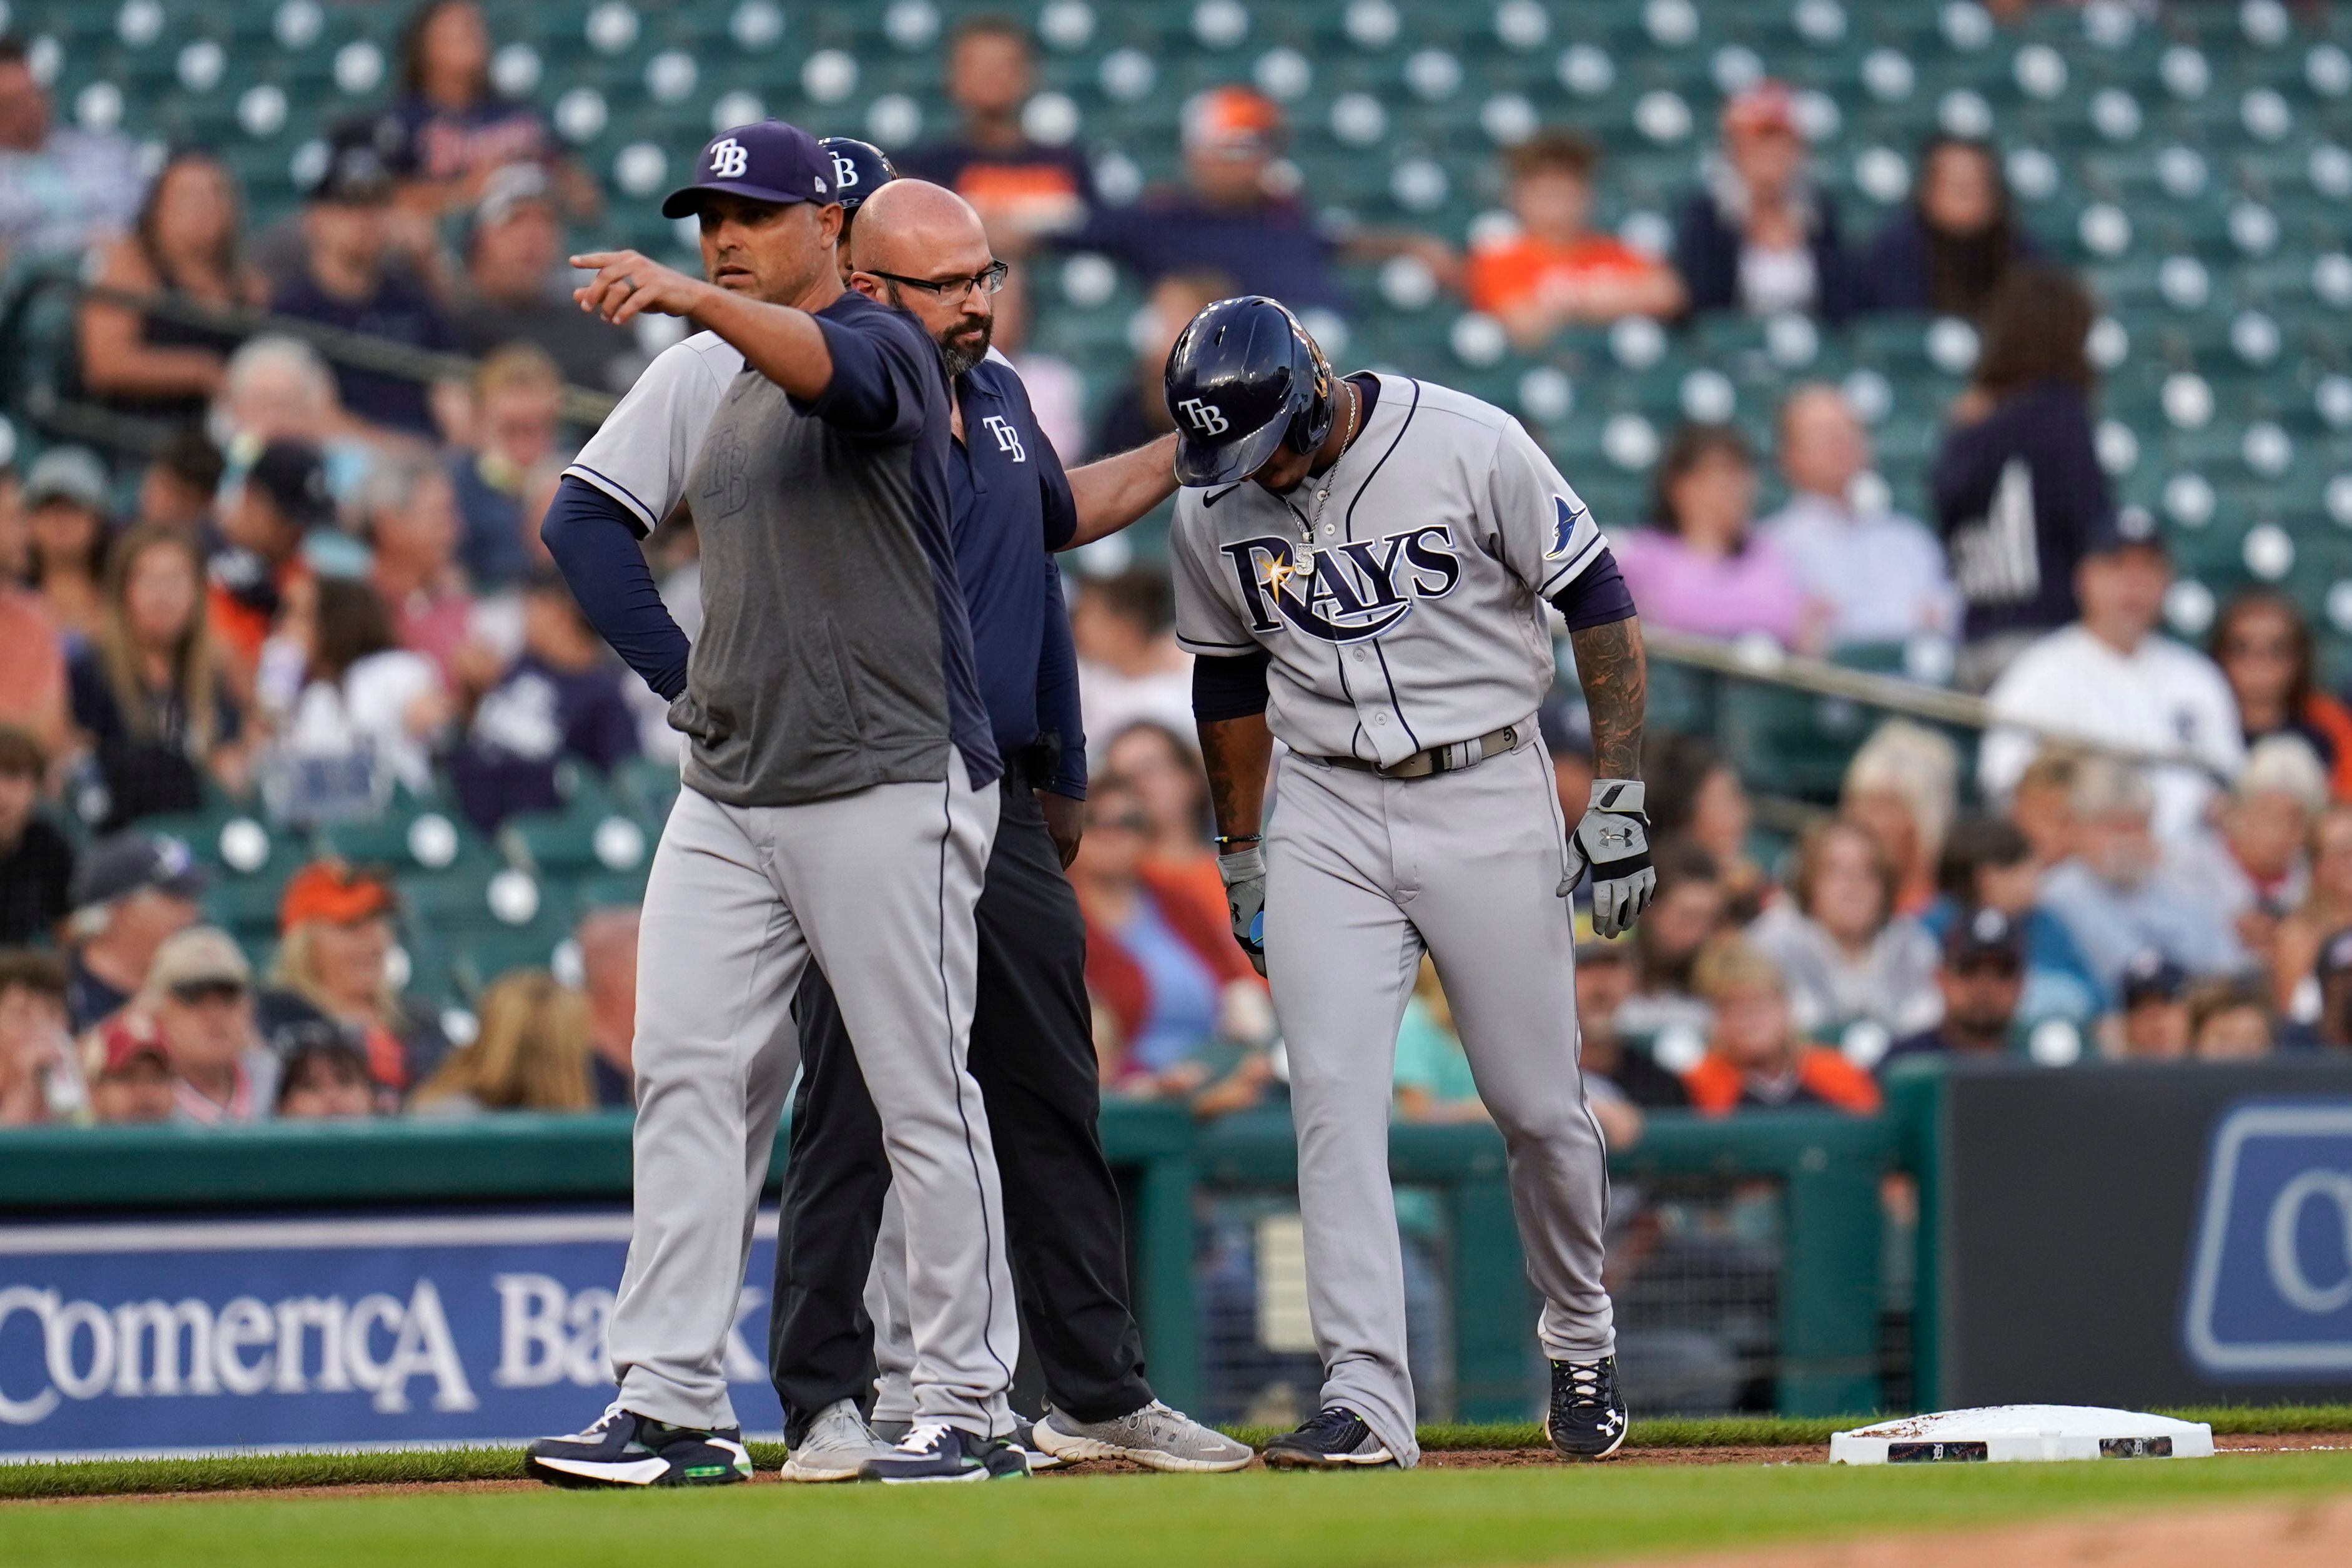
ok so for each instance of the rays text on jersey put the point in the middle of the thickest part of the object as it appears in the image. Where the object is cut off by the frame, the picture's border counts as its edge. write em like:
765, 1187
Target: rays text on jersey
1349, 593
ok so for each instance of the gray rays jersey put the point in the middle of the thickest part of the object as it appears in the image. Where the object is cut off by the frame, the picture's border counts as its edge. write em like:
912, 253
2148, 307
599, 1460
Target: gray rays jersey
1400, 591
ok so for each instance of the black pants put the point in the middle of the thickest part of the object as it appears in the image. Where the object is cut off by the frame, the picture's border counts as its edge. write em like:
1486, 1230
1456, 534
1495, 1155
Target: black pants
1032, 1055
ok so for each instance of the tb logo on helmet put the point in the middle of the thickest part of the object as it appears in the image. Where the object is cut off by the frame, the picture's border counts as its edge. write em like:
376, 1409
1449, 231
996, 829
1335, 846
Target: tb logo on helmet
1206, 417
844, 173
729, 159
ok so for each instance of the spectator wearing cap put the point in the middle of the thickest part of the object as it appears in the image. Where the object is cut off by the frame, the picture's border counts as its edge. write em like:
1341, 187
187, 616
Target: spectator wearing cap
450, 130
1556, 270
2263, 648
281, 497
531, 1053
1843, 954
334, 963
1137, 412
2229, 1020
32, 647
62, 190
346, 284
199, 991
1756, 1059
2020, 496
1233, 216
130, 1073
565, 698
2153, 1024
2111, 679
322, 1076
1605, 972
1880, 574
1687, 913
1987, 864
149, 691
2251, 863
1020, 188
131, 892
2330, 1027
40, 1079
66, 519
1761, 236
516, 288
182, 483
37, 861
2115, 895
1982, 974
185, 250
518, 432
1951, 247
608, 978
1701, 567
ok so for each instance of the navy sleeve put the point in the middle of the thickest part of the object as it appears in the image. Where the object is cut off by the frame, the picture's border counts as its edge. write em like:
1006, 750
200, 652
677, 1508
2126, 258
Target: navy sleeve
1230, 688
1057, 693
595, 542
1595, 596
879, 356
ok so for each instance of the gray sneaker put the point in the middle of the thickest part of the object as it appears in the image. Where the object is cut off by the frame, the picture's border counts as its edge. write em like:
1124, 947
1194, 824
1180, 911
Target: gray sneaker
1154, 1436
837, 1445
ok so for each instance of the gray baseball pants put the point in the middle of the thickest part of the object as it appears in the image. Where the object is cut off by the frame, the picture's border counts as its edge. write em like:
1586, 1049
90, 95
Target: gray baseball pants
1363, 875
877, 888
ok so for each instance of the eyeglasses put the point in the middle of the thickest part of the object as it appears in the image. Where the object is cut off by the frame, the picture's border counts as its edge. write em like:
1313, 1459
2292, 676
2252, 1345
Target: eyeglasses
195, 993
988, 280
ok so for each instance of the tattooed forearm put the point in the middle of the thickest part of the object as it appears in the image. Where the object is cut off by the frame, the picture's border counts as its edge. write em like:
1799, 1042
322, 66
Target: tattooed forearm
1615, 675
1236, 753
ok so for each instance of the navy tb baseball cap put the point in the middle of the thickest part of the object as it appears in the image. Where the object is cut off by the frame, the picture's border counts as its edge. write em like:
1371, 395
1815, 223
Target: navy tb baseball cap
769, 162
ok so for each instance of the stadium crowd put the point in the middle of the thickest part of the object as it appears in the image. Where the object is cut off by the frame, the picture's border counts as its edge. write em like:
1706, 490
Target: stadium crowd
321, 587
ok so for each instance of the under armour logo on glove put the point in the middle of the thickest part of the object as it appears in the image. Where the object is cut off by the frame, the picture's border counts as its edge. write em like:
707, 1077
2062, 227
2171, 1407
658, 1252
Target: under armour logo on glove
1613, 841
1243, 872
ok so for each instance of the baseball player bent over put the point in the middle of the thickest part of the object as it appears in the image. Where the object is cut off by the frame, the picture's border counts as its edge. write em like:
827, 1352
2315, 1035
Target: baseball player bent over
839, 1301
840, 802
1358, 568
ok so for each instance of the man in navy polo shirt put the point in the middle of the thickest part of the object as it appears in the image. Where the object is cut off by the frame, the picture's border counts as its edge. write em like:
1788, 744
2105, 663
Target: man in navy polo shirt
1032, 1053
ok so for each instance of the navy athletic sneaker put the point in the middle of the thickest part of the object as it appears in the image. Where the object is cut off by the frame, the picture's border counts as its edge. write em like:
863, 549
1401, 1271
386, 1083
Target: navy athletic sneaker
940, 1453
1335, 1439
1587, 1418
622, 1448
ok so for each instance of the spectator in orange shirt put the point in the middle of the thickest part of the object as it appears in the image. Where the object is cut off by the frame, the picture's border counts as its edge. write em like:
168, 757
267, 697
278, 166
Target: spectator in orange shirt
284, 494
1557, 271
1756, 1060
32, 648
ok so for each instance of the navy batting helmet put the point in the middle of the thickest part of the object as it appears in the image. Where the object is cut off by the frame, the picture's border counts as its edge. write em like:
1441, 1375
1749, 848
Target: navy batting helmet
1243, 378
858, 168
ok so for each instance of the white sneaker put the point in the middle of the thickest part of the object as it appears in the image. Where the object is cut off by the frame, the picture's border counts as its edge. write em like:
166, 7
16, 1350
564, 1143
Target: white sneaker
837, 1445
1154, 1436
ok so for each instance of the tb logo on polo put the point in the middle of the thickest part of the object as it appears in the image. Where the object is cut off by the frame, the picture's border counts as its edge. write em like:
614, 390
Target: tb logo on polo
1206, 417
729, 159
1007, 438
1349, 593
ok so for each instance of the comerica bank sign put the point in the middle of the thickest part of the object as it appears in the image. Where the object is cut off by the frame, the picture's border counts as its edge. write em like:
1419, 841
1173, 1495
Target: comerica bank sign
209, 1335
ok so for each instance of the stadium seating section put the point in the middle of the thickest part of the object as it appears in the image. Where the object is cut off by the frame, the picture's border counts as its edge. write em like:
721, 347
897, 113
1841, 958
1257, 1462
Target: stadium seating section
2197, 168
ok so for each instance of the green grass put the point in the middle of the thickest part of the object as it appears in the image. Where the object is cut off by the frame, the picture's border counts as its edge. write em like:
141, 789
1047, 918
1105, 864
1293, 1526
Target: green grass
1544, 1514
255, 1472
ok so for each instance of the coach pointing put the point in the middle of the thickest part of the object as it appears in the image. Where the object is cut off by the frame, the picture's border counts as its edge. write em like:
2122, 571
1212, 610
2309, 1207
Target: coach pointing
840, 801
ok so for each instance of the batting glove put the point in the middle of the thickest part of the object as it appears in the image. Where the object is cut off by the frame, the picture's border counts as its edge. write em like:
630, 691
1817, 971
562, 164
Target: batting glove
1613, 841
1245, 875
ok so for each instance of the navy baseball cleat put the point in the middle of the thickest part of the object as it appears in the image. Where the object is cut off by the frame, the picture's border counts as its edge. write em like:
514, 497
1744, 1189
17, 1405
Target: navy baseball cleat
1336, 1440
940, 1453
622, 1448
1587, 1419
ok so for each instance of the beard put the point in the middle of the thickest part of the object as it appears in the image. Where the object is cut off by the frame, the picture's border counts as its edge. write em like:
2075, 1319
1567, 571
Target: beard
965, 346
